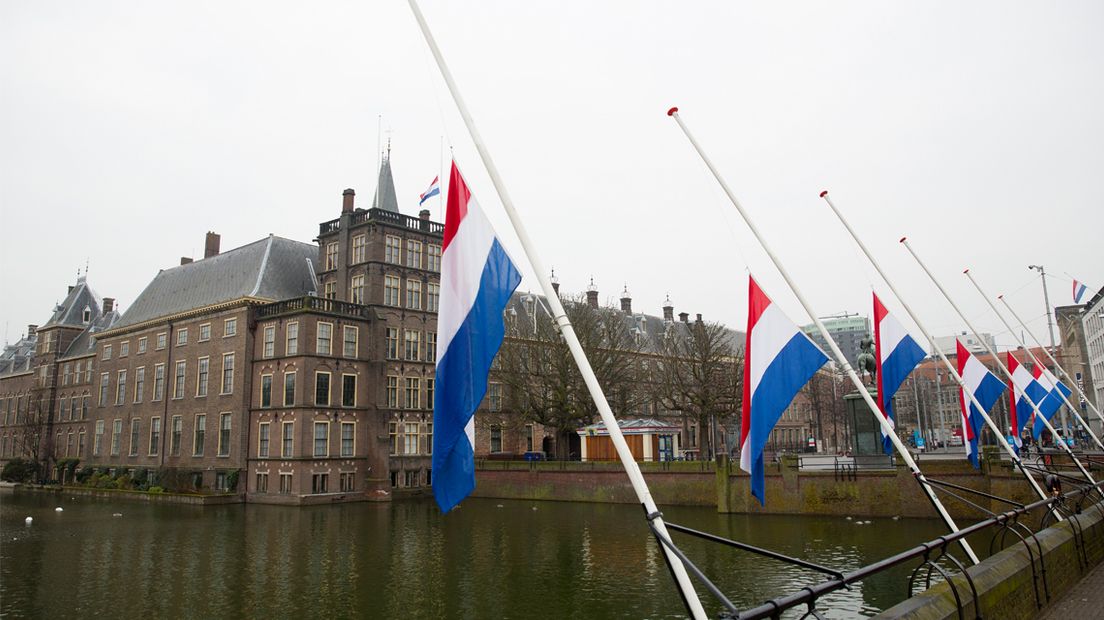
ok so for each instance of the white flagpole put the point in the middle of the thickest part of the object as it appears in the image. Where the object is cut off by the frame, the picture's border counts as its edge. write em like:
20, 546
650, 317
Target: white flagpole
1081, 392
931, 341
996, 358
441, 179
682, 578
1034, 359
874, 409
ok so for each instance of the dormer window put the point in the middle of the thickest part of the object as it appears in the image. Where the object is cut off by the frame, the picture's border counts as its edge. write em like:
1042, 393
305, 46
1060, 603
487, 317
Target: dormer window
86, 316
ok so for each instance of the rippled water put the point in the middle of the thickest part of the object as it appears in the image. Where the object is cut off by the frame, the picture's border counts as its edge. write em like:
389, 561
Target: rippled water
489, 559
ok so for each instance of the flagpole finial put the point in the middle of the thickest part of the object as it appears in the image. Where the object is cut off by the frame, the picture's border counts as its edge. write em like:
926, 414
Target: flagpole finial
1001, 297
672, 111
967, 270
903, 239
824, 193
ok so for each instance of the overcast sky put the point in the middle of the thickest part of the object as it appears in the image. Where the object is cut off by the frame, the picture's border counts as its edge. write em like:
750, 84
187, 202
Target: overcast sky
129, 129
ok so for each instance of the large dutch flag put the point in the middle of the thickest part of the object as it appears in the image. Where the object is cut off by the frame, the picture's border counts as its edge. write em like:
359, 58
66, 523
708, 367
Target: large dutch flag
477, 279
1053, 390
778, 360
1024, 390
897, 355
986, 388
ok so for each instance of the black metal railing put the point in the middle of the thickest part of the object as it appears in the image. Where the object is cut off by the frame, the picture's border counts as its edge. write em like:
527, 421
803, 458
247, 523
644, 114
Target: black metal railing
935, 557
313, 304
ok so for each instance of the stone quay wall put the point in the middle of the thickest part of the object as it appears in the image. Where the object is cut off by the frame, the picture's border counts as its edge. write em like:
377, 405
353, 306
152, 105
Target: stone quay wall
1005, 583
874, 493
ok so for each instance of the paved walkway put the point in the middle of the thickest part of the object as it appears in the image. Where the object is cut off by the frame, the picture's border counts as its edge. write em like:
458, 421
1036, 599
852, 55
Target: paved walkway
1084, 600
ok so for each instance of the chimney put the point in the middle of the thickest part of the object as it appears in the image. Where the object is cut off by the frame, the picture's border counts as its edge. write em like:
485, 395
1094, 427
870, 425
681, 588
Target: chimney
423, 214
108, 304
347, 200
668, 310
185, 260
592, 294
626, 301
699, 318
211, 246
31, 329
684, 317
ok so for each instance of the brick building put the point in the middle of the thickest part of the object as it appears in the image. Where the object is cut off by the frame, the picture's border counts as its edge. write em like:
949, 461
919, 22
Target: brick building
289, 372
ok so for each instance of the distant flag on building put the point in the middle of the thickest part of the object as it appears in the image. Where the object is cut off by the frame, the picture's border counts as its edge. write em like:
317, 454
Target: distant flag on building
1021, 388
434, 189
1078, 291
897, 354
986, 388
477, 279
1053, 390
778, 360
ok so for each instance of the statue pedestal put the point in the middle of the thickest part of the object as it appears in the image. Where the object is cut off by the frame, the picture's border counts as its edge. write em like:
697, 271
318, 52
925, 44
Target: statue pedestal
866, 434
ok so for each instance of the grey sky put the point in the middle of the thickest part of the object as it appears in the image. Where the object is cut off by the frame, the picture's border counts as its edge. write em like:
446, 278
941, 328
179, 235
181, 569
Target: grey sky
127, 130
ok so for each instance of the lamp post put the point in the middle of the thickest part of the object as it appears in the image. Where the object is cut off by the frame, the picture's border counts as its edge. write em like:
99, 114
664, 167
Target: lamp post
939, 403
1050, 330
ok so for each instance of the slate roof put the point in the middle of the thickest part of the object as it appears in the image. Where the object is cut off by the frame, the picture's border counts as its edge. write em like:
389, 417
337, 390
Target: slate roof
648, 326
385, 197
85, 342
70, 312
273, 268
630, 427
17, 357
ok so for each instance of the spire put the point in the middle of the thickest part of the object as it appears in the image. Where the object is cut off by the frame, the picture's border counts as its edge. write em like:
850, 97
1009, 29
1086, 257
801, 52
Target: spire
385, 189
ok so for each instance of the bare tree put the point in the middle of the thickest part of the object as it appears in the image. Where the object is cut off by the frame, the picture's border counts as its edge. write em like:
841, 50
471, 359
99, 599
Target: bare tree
542, 382
699, 372
32, 435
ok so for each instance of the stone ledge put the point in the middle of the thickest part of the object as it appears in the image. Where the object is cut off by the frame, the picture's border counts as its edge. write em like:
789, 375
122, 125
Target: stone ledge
1004, 580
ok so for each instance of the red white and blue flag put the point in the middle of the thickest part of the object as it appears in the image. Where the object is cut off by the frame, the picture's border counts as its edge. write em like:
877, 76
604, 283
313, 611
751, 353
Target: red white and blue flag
778, 360
434, 189
1053, 392
1023, 390
1078, 291
986, 388
897, 354
477, 279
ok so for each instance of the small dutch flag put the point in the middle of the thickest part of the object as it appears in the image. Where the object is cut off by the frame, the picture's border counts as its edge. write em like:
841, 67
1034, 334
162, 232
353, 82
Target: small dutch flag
434, 189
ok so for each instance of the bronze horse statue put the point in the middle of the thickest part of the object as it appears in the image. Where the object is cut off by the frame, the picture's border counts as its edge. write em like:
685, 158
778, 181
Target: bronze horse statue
865, 363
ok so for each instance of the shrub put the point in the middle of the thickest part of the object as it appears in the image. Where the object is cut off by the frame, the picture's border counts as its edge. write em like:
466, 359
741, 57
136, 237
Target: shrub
19, 470
156, 490
232, 481
84, 474
141, 478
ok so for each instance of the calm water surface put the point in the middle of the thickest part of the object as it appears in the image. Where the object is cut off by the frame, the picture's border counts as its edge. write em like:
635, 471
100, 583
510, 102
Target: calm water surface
488, 559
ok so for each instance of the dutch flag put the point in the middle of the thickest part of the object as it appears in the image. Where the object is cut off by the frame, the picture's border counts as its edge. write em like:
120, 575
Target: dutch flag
1022, 388
778, 360
1078, 291
1051, 400
897, 354
477, 279
986, 388
434, 189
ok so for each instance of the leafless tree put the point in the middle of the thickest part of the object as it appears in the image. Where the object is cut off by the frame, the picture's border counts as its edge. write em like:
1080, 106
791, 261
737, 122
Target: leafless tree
698, 372
541, 380
32, 435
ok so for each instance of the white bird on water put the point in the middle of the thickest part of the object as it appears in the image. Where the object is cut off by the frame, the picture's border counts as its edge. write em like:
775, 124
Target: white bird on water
28, 520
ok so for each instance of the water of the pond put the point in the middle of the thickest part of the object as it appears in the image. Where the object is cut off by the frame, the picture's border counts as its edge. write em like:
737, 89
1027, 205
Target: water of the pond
488, 559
